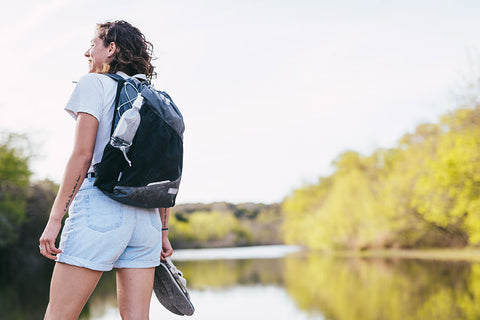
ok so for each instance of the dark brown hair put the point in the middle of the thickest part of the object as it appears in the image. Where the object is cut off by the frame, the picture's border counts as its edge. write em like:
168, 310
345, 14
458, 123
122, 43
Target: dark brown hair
134, 52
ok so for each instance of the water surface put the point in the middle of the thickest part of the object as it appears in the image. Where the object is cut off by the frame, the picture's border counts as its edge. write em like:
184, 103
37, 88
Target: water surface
279, 282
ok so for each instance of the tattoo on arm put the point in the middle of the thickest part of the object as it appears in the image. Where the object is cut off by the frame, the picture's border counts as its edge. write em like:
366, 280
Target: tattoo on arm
70, 197
164, 222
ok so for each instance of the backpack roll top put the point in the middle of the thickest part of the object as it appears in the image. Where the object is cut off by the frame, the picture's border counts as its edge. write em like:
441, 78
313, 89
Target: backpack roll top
161, 103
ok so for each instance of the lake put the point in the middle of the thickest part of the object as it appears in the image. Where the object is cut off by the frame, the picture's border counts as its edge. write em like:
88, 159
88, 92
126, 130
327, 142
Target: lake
283, 282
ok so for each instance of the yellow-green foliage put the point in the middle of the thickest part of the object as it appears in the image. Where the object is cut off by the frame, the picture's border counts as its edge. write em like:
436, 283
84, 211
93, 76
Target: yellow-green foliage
340, 211
300, 214
204, 225
424, 192
448, 191
399, 175
223, 224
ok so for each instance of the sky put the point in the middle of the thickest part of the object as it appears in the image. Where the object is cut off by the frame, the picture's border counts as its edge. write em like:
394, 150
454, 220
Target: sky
271, 91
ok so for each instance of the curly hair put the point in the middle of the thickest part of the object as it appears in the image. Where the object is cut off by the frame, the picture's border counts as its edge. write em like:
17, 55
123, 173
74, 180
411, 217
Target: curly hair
134, 52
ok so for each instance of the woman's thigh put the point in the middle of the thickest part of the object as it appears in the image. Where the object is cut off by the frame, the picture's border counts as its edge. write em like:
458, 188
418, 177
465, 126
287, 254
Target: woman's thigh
70, 288
134, 292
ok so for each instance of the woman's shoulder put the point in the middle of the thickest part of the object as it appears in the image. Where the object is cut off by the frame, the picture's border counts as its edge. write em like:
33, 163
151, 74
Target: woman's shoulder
90, 77
95, 80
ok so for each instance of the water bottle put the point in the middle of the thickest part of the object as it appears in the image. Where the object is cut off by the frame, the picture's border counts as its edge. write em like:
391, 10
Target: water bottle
127, 127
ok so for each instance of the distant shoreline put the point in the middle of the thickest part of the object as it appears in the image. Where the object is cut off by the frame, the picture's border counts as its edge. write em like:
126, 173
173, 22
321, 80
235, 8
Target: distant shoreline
235, 253
278, 251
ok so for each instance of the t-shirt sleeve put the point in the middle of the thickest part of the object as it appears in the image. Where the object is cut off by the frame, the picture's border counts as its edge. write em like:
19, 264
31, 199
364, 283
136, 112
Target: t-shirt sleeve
87, 97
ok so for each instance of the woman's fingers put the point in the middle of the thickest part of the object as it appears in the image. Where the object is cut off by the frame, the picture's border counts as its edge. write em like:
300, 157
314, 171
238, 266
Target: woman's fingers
47, 240
45, 250
166, 253
48, 249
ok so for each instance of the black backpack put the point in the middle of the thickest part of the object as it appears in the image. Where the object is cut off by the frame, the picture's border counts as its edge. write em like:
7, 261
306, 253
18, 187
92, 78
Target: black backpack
153, 178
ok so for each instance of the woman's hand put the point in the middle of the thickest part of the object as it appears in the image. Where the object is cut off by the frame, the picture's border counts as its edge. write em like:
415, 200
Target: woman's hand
47, 240
167, 249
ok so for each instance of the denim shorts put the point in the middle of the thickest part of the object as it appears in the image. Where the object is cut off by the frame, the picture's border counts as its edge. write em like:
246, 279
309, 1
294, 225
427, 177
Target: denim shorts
101, 233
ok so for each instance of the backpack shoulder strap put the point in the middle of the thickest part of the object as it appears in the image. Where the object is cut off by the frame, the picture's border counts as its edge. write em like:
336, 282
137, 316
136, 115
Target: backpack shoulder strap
135, 80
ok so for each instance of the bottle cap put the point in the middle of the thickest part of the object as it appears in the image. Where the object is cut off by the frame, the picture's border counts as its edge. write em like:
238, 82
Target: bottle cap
138, 101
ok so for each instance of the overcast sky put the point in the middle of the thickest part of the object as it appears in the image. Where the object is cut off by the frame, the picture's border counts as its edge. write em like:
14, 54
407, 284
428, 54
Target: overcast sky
271, 91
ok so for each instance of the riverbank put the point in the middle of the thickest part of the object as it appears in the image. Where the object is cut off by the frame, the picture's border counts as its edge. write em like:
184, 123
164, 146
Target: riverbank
277, 251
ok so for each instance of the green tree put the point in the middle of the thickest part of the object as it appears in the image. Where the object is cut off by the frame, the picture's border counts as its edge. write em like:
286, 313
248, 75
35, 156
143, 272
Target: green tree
14, 180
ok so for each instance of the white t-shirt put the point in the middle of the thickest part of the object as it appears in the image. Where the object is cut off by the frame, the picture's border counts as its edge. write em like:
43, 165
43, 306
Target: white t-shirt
95, 94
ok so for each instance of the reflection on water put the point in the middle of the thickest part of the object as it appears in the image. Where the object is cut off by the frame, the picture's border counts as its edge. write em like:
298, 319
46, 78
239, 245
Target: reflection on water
384, 288
297, 286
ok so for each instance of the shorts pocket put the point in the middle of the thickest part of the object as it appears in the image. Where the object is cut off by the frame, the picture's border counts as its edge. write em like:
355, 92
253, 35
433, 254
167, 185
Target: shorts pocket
103, 216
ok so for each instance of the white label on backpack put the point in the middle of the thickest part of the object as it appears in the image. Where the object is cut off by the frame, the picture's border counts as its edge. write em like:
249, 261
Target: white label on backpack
172, 190
155, 183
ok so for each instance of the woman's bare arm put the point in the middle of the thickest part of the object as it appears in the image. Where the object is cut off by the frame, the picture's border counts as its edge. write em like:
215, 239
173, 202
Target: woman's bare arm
75, 172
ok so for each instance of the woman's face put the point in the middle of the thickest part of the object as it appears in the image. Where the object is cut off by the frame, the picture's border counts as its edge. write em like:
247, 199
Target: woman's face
98, 55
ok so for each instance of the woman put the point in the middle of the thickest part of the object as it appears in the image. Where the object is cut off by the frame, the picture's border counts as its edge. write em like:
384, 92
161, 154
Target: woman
100, 233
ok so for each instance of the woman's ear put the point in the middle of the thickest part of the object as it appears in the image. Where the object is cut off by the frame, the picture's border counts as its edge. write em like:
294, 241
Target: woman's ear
112, 48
